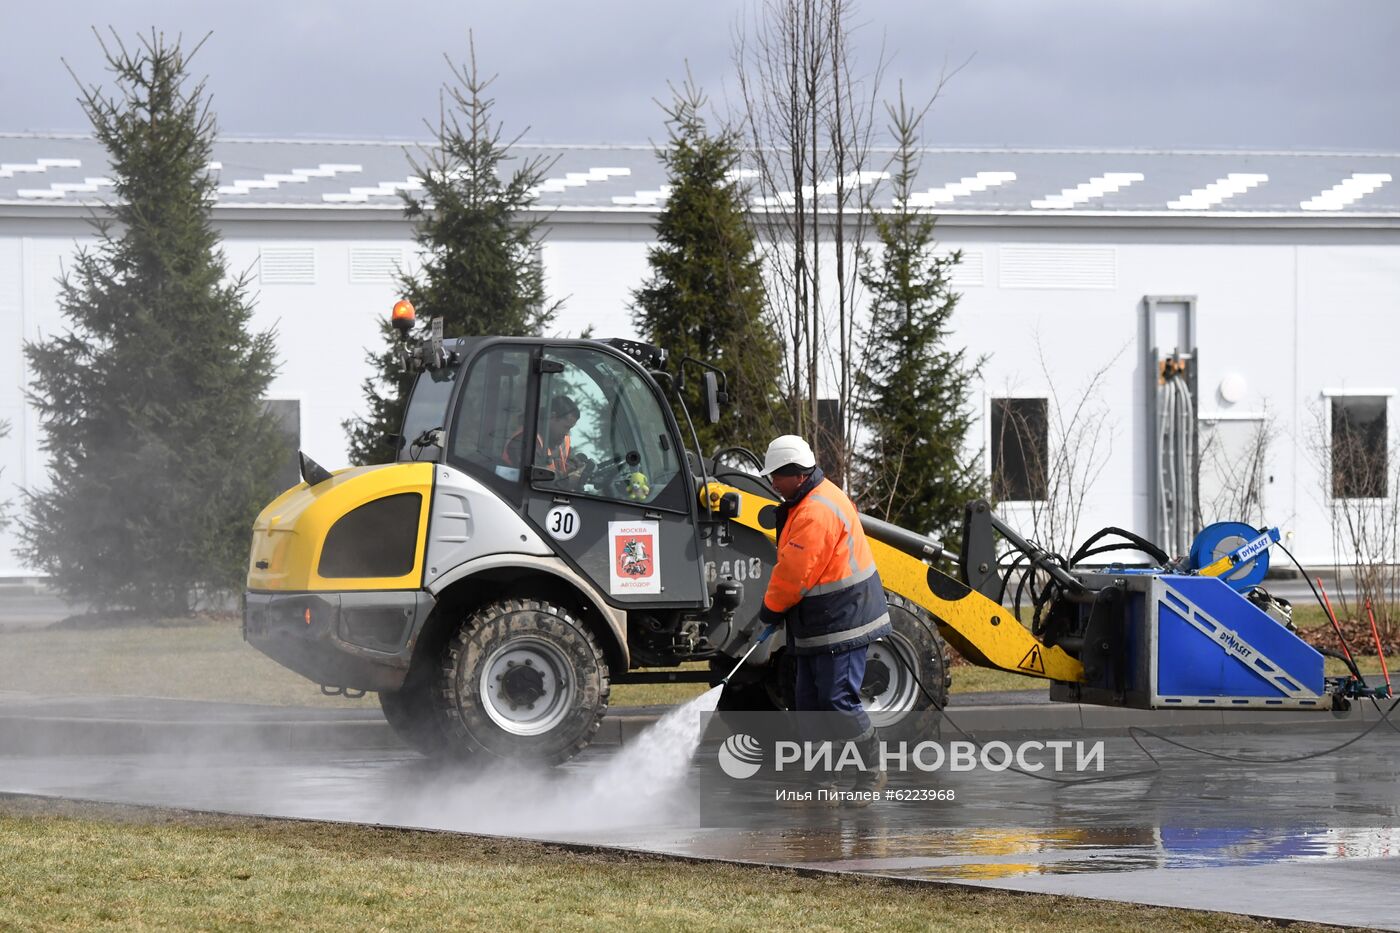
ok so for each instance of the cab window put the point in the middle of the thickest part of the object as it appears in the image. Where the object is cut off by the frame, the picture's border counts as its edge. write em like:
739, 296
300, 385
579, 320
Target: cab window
488, 432
603, 432
427, 411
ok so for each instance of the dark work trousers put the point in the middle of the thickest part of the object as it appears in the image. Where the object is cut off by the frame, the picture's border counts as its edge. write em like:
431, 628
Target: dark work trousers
830, 683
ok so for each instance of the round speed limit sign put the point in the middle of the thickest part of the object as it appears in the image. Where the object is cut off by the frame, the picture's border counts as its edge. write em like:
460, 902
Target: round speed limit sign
562, 522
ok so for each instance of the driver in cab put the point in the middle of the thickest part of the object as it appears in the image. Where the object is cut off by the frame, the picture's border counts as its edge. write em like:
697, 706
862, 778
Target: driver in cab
553, 446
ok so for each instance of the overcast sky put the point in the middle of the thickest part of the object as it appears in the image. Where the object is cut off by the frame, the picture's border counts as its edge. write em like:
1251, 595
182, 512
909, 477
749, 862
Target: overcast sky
1291, 74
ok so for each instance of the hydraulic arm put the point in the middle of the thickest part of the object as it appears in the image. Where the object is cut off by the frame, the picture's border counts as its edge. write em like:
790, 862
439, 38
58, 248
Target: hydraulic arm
1197, 631
980, 629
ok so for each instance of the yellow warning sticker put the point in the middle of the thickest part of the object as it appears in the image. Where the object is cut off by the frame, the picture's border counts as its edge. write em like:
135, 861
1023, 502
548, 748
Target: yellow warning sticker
1033, 662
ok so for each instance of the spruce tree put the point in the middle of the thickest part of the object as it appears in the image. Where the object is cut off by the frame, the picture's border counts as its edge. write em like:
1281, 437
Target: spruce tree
913, 390
705, 296
480, 271
159, 446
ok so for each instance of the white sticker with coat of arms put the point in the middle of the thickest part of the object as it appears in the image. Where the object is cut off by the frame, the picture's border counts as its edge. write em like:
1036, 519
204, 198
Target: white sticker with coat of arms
633, 546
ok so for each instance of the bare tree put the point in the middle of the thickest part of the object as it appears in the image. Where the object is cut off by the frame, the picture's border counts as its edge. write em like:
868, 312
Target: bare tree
809, 115
1360, 474
1065, 462
1064, 449
1238, 472
4, 504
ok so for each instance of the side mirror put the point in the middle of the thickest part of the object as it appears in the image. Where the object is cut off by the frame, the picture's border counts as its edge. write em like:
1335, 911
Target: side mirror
311, 471
712, 396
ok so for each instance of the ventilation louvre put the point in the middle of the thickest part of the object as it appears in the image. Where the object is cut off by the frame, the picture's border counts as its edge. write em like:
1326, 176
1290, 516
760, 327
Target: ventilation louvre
287, 265
971, 272
375, 263
1081, 267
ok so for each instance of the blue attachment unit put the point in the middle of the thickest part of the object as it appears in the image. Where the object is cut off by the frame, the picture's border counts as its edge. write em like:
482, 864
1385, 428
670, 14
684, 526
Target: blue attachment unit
1172, 641
1213, 647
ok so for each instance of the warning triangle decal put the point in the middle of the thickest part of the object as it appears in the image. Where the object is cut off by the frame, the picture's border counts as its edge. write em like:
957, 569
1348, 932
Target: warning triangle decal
1032, 661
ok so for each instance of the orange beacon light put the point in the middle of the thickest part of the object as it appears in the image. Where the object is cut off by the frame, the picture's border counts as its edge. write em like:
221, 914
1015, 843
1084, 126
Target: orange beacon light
402, 316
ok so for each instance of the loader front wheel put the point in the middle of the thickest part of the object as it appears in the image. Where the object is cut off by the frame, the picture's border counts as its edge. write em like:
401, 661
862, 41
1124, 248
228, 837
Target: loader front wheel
412, 714
522, 680
907, 673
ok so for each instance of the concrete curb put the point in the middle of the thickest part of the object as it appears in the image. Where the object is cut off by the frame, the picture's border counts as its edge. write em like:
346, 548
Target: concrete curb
48, 735
995, 719
179, 729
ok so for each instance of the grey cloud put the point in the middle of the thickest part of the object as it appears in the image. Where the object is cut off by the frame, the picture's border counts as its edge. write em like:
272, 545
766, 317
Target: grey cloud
1259, 73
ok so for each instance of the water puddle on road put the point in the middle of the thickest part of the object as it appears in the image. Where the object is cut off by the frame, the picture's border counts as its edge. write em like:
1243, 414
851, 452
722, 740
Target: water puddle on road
986, 854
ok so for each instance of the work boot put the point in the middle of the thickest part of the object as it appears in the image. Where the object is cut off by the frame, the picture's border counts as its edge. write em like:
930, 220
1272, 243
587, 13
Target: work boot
872, 779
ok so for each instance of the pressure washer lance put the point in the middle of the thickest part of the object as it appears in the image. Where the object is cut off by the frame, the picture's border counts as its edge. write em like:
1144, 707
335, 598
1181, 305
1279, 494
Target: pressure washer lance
764, 636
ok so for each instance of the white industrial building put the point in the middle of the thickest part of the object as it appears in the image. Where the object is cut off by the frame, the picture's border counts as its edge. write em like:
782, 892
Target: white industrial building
1278, 271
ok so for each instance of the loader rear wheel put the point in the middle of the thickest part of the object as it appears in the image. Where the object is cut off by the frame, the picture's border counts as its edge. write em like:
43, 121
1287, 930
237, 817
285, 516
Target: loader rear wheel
757, 697
522, 680
891, 694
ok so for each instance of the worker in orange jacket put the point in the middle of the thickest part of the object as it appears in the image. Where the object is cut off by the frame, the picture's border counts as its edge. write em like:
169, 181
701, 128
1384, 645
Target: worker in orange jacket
553, 445
826, 589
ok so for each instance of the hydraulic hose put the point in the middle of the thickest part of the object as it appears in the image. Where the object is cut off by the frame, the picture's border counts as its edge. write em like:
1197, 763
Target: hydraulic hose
1135, 731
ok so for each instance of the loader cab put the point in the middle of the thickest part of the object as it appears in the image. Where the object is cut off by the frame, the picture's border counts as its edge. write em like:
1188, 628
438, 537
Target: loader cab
428, 402
578, 437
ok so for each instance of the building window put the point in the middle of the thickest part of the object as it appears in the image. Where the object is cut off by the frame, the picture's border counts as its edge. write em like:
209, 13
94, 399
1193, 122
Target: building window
1019, 446
1359, 447
286, 415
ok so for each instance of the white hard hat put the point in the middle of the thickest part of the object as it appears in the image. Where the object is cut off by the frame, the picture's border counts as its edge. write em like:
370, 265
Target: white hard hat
785, 450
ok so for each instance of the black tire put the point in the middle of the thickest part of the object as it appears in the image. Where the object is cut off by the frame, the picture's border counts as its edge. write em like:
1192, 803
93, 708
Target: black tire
522, 680
747, 698
899, 708
750, 690
413, 715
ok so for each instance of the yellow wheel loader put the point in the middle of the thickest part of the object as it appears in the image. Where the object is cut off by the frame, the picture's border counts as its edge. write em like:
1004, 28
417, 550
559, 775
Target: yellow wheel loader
545, 530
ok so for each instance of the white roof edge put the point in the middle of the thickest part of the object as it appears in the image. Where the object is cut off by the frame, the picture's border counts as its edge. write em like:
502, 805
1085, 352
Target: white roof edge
1311, 217
651, 147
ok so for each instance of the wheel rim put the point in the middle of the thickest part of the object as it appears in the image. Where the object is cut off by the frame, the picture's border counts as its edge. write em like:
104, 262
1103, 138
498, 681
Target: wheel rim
890, 701
528, 686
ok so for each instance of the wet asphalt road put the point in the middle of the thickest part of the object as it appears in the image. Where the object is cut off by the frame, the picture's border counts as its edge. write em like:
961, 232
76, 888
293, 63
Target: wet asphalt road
1311, 840
1314, 840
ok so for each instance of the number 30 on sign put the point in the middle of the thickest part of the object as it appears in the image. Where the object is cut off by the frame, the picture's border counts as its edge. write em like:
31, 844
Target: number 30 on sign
562, 522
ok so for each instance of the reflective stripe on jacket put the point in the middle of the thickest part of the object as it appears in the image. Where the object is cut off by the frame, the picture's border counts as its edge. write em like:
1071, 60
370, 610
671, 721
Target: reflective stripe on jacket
826, 573
554, 458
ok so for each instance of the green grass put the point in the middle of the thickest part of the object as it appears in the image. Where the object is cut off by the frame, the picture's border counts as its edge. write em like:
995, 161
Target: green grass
624, 695
208, 660
966, 679
1334, 667
76, 867
186, 659
969, 679
1309, 614
196, 659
